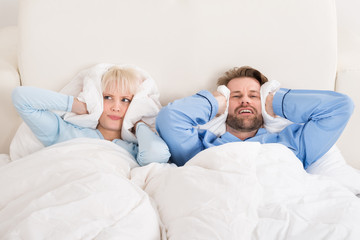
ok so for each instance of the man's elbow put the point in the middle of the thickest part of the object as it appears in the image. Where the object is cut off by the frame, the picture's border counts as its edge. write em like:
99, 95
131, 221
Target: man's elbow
164, 124
347, 105
161, 118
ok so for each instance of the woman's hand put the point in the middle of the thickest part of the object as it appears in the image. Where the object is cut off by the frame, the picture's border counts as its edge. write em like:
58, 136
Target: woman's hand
133, 130
79, 107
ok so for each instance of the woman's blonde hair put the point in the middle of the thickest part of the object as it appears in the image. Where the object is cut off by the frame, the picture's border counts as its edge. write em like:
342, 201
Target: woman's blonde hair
125, 80
244, 71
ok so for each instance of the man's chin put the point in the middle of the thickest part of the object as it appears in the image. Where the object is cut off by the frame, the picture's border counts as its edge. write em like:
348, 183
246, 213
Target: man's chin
244, 124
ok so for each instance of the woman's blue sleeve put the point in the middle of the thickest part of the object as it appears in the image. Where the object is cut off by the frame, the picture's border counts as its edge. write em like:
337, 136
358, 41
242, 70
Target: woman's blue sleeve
34, 106
151, 147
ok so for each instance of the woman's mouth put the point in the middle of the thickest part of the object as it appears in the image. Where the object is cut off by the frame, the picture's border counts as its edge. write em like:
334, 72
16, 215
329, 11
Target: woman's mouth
113, 117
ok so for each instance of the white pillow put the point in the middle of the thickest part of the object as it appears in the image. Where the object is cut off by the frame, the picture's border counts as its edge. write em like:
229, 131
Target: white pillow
24, 143
4, 159
334, 166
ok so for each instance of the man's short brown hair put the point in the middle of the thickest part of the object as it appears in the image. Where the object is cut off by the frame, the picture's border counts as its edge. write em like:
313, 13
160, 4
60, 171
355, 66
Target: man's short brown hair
244, 71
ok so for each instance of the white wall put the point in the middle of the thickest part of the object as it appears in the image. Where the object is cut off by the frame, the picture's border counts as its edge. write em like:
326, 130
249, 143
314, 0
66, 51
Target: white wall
8, 12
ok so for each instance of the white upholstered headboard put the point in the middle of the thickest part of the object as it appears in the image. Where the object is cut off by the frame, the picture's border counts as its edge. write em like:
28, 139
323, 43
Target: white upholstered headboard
184, 44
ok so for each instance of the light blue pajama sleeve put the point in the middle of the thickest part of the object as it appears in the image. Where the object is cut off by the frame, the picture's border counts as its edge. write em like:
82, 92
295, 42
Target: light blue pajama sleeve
35, 106
151, 148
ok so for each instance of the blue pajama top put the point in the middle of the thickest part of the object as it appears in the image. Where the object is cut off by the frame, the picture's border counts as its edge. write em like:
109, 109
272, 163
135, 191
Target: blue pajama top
35, 104
319, 118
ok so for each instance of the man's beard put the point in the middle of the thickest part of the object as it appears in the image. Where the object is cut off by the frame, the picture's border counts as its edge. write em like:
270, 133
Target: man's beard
244, 124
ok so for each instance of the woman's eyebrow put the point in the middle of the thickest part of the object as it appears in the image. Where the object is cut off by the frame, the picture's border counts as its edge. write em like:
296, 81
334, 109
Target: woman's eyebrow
127, 96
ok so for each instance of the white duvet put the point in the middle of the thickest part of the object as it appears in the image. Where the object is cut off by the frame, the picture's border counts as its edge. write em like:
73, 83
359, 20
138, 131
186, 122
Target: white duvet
249, 191
78, 189
92, 189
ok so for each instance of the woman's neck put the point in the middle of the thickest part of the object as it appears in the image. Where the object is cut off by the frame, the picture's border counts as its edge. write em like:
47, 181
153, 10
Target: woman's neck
109, 134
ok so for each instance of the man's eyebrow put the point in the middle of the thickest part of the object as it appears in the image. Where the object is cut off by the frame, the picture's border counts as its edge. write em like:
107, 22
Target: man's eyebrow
255, 91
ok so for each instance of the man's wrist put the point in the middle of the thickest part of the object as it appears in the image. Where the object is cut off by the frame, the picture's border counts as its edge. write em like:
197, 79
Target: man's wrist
205, 94
269, 106
278, 102
221, 100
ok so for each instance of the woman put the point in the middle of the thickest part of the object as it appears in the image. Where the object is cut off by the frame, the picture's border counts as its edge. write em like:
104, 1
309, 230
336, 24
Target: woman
119, 86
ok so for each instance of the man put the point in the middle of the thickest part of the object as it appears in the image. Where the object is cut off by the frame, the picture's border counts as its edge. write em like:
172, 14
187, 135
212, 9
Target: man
319, 118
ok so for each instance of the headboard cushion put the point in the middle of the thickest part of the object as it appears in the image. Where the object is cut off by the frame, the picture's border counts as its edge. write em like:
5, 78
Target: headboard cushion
185, 45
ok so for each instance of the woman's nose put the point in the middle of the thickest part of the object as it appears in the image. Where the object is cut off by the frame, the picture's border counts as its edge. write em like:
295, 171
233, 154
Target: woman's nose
116, 107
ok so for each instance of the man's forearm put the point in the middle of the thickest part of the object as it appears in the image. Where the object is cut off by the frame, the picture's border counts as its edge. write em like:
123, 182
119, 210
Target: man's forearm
301, 106
177, 121
323, 116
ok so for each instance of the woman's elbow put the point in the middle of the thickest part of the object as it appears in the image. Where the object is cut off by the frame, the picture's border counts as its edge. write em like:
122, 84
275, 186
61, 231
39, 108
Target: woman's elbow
155, 155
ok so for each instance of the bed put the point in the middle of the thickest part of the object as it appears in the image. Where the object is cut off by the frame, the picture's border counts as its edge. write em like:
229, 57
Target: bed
93, 189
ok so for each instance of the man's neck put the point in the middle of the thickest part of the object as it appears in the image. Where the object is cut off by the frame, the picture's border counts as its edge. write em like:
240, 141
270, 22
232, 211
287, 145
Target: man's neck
241, 134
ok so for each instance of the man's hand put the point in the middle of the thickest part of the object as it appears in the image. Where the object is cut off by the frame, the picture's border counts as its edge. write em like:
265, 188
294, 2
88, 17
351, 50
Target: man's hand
268, 105
221, 99
79, 107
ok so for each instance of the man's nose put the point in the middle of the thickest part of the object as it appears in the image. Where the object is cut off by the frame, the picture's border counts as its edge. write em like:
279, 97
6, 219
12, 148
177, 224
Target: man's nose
245, 99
